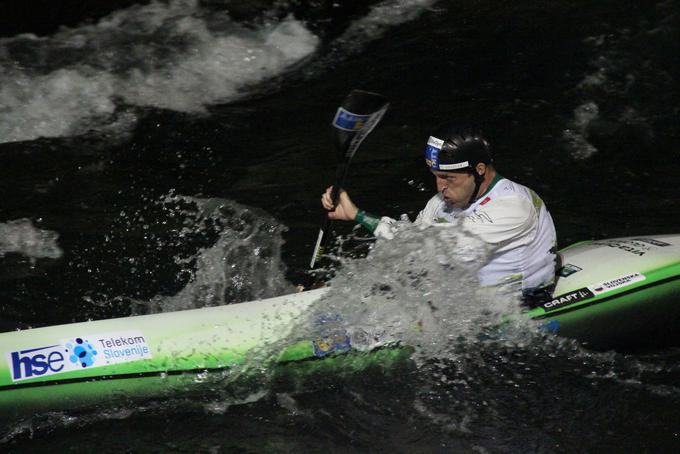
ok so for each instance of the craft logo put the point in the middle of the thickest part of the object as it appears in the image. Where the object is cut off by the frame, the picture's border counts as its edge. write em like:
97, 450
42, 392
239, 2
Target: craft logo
568, 298
619, 282
77, 353
348, 121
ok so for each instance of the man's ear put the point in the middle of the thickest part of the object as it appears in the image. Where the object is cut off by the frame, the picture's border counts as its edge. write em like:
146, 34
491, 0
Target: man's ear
481, 168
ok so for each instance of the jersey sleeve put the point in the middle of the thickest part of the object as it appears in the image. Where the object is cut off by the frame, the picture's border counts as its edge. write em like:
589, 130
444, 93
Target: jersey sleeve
505, 222
427, 214
384, 229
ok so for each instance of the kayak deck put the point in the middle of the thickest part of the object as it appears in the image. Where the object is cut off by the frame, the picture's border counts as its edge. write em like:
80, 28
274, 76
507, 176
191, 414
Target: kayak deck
618, 293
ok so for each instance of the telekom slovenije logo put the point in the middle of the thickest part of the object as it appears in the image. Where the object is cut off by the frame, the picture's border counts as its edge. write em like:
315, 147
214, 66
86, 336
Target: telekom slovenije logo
81, 352
78, 353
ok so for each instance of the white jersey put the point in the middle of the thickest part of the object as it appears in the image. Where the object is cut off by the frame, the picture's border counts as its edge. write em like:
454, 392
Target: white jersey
511, 218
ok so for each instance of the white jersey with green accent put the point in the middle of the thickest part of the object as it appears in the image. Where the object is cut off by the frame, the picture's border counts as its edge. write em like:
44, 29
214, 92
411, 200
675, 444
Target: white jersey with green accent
511, 218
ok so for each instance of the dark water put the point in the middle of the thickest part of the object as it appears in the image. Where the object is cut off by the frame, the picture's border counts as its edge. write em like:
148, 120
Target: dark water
153, 155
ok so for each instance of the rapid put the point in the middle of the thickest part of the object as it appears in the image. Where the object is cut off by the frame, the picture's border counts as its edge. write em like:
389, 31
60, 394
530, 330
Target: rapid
168, 156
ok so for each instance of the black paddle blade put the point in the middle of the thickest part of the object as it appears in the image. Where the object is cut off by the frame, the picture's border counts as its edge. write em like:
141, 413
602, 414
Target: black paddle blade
359, 113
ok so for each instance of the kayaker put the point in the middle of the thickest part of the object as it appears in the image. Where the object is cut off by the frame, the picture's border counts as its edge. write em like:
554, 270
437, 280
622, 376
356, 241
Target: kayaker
510, 217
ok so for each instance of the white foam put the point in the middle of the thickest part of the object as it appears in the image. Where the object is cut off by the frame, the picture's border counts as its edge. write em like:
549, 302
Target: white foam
52, 105
380, 18
387, 14
172, 56
20, 236
217, 67
576, 135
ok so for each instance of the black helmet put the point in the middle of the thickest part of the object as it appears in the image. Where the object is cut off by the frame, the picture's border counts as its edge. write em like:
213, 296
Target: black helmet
457, 148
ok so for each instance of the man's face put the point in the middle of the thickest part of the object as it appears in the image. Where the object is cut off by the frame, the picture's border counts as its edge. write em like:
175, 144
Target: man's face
456, 187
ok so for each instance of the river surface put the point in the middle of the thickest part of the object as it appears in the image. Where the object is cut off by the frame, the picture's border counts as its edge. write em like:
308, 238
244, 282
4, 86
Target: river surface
167, 157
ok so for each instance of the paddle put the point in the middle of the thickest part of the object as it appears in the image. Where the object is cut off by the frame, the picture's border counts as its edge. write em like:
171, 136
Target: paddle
359, 113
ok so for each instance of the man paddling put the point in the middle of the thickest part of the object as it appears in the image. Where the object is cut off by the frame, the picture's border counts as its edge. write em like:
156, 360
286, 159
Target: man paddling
506, 215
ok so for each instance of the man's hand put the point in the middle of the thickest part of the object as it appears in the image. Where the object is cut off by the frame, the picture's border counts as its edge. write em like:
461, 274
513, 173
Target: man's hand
345, 210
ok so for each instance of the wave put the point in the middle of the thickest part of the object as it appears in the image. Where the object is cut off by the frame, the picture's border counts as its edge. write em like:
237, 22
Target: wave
623, 96
177, 55
174, 56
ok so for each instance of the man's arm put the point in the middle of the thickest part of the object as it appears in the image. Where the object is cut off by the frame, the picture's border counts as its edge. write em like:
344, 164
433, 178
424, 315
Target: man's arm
346, 210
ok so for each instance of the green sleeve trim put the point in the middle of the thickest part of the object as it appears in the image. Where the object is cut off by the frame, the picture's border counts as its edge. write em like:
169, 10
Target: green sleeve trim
368, 220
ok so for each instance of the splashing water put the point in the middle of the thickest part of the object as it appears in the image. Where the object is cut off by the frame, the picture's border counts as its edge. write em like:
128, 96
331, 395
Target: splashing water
419, 289
476, 356
244, 263
473, 368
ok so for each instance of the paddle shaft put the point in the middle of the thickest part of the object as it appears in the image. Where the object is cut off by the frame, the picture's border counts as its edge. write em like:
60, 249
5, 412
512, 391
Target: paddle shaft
340, 177
324, 237
355, 119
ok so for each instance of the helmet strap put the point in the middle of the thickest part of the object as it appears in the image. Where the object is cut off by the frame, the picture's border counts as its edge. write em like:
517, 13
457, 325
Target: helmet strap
479, 179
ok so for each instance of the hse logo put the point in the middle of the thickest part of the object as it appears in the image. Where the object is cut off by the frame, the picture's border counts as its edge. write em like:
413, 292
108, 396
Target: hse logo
36, 362
78, 353
52, 359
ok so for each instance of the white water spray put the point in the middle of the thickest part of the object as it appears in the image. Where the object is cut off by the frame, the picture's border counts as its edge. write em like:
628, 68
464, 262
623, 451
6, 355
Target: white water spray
244, 263
418, 289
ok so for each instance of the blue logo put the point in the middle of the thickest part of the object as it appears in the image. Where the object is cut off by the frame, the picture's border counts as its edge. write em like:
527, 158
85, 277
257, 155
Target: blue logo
432, 157
36, 362
348, 121
434, 146
553, 326
333, 337
337, 342
82, 352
